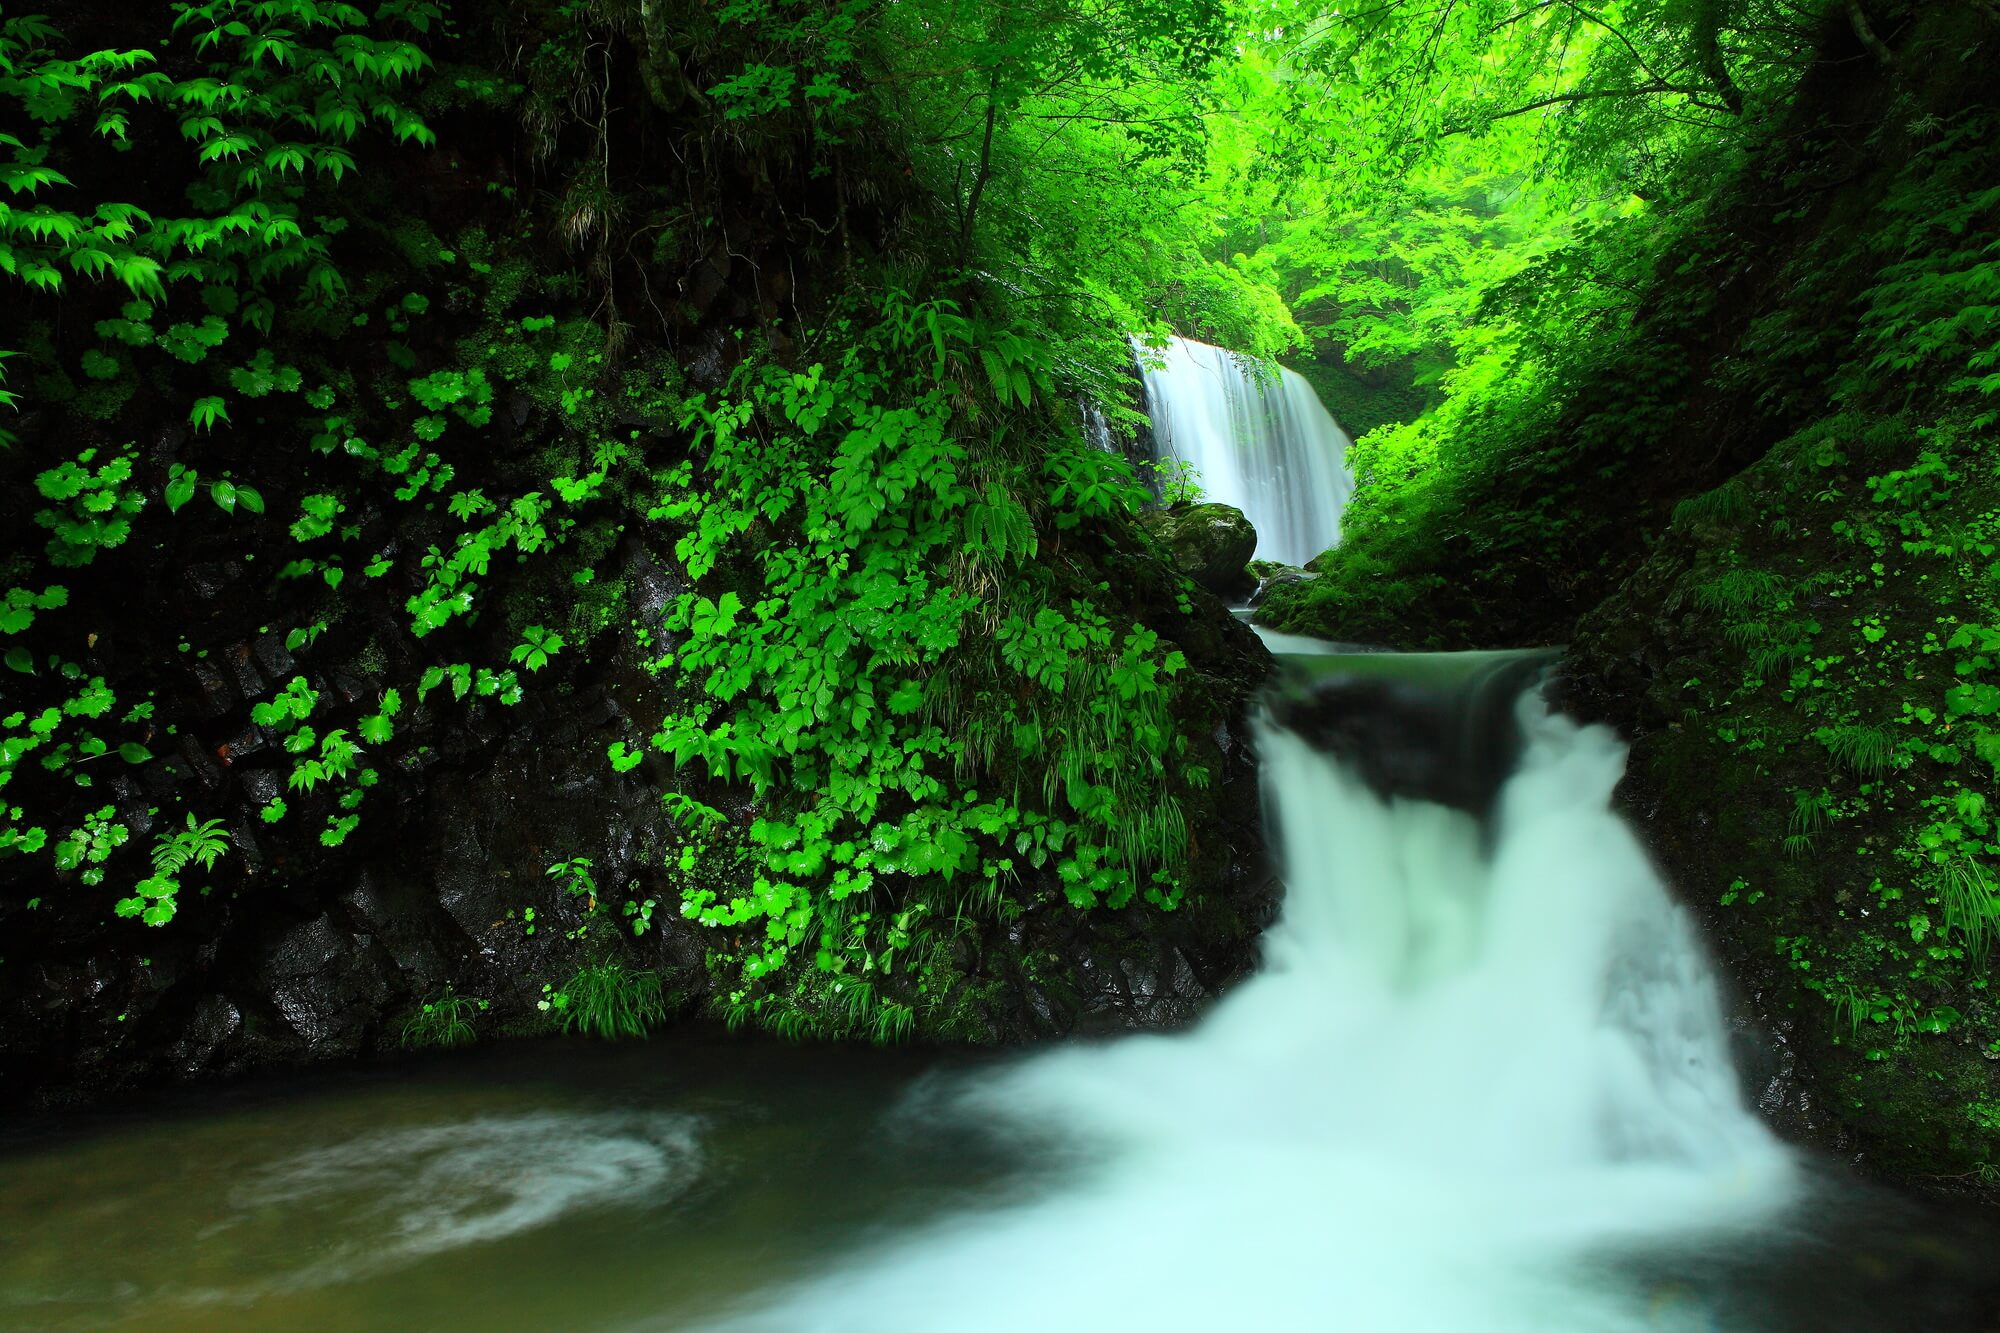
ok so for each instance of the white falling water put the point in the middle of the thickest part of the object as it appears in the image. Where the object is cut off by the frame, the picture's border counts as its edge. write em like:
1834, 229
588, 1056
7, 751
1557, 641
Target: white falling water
1263, 443
1473, 1075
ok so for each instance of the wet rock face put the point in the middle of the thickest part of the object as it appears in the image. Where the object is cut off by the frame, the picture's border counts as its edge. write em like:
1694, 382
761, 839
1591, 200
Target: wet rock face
1210, 543
1452, 743
309, 953
1063, 972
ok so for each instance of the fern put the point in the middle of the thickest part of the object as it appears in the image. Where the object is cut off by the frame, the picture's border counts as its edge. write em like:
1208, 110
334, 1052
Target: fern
1739, 589
204, 843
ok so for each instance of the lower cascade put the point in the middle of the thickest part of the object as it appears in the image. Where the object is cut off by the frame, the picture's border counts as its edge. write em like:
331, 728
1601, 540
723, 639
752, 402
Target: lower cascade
1262, 443
1480, 1083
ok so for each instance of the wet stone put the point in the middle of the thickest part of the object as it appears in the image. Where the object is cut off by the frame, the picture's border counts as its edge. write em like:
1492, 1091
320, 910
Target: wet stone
205, 582
243, 667
272, 655
262, 785
133, 808
199, 766
212, 696
243, 839
247, 742
164, 778
214, 1021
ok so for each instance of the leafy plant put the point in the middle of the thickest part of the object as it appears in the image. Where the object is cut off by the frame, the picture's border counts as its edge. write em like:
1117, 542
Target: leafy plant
154, 899
446, 1021
610, 1001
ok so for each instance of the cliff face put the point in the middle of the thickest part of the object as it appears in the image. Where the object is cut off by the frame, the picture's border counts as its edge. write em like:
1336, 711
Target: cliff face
376, 652
1764, 520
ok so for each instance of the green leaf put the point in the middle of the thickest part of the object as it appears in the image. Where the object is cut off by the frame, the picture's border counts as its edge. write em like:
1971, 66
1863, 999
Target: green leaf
134, 753
206, 412
180, 487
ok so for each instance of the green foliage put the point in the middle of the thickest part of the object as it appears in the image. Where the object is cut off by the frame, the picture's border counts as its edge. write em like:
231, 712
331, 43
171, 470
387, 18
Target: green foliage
444, 1022
538, 644
1727, 505
154, 899
1868, 751
248, 120
1177, 481
1969, 895
92, 509
608, 1000
889, 669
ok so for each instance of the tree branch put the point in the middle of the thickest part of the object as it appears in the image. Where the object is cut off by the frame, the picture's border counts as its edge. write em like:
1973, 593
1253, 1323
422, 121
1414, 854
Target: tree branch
1864, 31
1708, 51
985, 168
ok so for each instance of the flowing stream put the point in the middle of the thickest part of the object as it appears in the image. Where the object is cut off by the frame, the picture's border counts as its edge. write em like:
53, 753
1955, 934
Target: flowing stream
1481, 1085
1258, 439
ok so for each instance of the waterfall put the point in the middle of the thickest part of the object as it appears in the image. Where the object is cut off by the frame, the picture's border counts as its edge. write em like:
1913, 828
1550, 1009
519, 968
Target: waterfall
1481, 1085
1261, 442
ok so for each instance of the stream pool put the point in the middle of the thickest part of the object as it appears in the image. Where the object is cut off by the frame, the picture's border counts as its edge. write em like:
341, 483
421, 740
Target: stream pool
657, 1186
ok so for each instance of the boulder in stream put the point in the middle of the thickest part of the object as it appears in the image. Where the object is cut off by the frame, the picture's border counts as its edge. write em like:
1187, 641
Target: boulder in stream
1210, 543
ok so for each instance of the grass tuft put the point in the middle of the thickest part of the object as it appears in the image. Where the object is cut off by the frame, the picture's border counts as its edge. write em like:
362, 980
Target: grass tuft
444, 1022
611, 1001
1868, 751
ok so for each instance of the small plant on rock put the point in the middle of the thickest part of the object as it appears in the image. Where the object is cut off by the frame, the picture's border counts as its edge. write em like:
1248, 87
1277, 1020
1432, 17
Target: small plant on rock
445, 1021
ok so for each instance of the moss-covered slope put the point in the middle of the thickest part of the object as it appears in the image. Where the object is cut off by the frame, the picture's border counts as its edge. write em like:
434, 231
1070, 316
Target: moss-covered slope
1763, 511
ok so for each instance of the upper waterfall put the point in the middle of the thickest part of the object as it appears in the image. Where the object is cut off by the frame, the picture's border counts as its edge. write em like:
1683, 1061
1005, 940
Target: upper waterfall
1261, 442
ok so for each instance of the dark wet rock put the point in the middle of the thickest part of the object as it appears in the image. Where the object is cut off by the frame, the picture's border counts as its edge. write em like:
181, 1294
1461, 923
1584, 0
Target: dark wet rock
1210, 543
198, 764
205, 582
262, 785
212, 695
272, 655
1452, 743
212, 1023
246, 743
242, 666
133, 808
320, 982
163, 777
243, 826
348, 686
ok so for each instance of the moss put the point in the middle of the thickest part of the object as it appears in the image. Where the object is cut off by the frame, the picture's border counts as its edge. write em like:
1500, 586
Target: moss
1768, 634
372, 660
